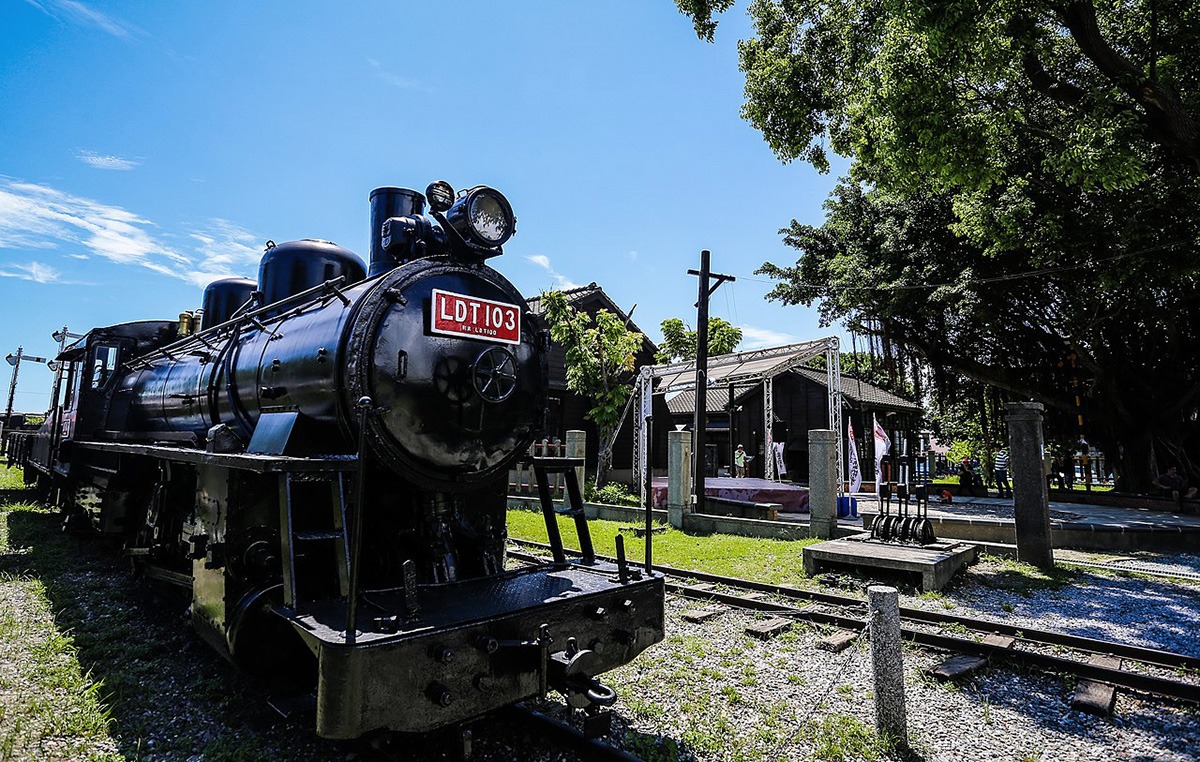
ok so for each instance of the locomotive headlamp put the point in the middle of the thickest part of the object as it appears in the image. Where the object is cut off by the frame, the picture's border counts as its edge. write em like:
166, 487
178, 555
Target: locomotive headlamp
483, 217
440, 195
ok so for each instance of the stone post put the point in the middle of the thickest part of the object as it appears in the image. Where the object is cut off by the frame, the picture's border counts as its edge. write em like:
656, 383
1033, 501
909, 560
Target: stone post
930, 465
887, 663
577, 448
822, 482
1031, 500
679, 476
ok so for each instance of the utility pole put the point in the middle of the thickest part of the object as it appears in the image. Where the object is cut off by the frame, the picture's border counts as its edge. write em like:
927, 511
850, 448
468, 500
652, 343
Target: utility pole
700, 424
15, 361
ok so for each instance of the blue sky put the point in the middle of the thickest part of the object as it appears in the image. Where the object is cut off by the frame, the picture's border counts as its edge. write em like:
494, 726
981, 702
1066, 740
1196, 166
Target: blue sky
148, 147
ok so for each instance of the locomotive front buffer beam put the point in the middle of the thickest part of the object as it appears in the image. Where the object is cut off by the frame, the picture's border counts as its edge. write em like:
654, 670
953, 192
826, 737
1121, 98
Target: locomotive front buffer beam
478, 645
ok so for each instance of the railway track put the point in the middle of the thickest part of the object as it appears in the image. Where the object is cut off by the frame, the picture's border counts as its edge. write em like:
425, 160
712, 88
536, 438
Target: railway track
1145, 670
472, 742
570, 736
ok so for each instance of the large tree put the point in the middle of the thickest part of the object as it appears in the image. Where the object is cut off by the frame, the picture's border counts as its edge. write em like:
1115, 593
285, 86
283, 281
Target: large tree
600, 354
679, 341
1023, 203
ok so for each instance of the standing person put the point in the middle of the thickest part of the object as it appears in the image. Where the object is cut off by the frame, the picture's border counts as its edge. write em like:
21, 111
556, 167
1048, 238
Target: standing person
1001, 465
739, 462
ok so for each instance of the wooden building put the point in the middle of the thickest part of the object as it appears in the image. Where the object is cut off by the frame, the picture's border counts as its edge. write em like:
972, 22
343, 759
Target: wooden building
568, 410
801, 402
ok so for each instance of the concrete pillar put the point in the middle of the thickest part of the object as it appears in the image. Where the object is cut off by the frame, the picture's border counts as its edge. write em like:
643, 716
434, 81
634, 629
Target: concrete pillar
1031, 501
930, 465
887, 663
822, 482
679, 476
577, 448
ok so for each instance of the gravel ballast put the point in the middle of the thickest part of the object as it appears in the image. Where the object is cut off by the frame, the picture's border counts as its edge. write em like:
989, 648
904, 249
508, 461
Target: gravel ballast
708, 692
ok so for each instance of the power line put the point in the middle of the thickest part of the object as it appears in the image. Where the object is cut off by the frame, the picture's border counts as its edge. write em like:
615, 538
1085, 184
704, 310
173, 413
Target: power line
974, 281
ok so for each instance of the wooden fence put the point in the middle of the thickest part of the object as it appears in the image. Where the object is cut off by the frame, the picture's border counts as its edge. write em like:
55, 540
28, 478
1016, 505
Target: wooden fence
521, 480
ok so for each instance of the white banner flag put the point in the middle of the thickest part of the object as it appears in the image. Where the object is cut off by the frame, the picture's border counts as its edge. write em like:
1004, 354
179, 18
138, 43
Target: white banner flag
855, 469
883, 444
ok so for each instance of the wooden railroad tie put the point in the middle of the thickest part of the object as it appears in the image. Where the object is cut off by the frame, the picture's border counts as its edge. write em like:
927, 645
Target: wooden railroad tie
699, 616
837, 641
962, 665
768, 629
1095, 697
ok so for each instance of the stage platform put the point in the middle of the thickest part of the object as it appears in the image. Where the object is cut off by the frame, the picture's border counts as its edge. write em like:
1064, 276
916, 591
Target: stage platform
791, 498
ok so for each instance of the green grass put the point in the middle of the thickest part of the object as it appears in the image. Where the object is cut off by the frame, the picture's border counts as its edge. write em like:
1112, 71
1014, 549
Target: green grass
1022, 578
840, 738
774, 561
11, 478
97, 665
52, 708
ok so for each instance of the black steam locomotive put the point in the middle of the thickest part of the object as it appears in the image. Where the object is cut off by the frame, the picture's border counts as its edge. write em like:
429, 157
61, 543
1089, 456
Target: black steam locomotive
321, 457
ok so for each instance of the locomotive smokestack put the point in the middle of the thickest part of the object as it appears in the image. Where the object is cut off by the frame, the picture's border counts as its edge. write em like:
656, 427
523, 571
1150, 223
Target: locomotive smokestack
385, 204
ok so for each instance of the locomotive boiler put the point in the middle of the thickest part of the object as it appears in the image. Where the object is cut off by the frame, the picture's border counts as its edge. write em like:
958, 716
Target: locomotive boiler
321, 458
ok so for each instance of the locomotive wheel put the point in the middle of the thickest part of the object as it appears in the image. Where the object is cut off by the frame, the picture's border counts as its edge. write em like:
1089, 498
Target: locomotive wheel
265, 645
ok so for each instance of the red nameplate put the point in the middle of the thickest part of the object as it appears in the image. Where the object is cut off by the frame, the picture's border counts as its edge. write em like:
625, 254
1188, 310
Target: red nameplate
460, 315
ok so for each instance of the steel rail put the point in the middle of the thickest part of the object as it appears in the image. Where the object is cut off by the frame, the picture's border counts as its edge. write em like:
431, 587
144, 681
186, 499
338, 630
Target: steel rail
1120, 677
1151, 656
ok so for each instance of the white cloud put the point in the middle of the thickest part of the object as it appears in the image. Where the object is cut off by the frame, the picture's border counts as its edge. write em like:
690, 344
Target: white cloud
633, 254
74, 12
560, 280
102, 161
754, 337
225, 249
36, 216
395, 80
34, 271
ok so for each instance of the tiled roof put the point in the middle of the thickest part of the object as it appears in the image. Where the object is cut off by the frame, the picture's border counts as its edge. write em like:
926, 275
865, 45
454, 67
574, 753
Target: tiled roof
854, 391
579, 293
860, 391
716, 401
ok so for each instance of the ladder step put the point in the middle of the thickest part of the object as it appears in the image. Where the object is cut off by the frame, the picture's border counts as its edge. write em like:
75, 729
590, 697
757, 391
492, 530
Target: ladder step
314, 536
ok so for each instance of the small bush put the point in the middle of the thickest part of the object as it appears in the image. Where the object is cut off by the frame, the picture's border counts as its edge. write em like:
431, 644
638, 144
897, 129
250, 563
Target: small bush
611, 494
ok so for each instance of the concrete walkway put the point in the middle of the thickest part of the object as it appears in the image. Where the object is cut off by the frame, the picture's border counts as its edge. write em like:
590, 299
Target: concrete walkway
1002, 508
1074, 525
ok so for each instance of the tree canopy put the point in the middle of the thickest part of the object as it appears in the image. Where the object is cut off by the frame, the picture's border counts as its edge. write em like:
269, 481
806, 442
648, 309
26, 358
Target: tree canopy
1023, 203
679, 341
600, 357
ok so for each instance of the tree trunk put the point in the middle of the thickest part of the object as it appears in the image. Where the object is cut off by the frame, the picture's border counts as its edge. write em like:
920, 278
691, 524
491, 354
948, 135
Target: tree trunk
604, 457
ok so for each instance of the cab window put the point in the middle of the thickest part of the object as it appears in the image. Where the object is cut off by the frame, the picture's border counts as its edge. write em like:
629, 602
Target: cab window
104, 362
